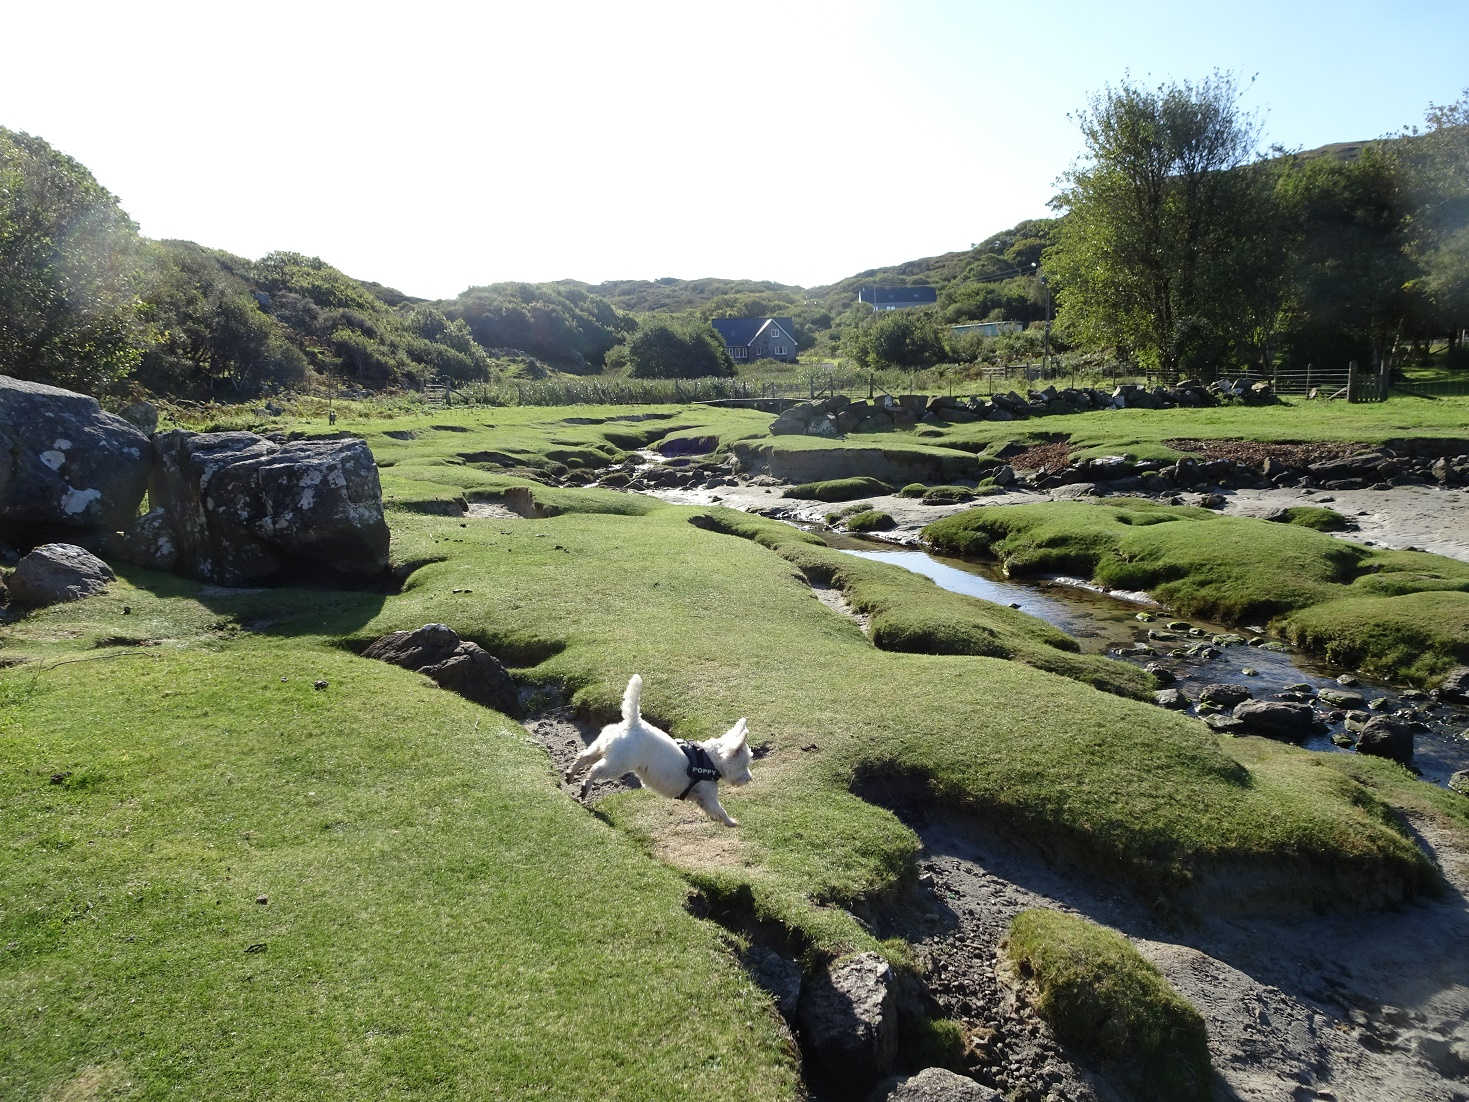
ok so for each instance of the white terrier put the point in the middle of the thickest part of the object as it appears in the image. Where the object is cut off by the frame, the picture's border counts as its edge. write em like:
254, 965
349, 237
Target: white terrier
673, 769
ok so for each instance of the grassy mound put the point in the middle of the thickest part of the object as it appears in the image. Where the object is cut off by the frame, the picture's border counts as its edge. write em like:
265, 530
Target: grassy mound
1316, 517
1105, 1000
1339, 599
869, 520
839, 489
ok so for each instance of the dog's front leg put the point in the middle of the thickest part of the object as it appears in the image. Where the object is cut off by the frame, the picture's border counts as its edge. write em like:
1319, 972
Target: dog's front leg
602, 771
591, 754
707, 796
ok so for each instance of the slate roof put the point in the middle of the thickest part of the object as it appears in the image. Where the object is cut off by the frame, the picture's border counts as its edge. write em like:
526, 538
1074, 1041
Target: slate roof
898, 296
741, 331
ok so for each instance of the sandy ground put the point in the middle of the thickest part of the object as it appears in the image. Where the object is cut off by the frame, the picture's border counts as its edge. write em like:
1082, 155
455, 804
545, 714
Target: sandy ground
1424, 517
1363, 1007
1427, 518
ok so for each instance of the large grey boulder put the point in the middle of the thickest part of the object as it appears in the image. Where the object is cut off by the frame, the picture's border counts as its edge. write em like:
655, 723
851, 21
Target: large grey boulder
65, 464
458, 665
848, 1017
1456, 684
934, 1085
56, 572
1277, 719
1224, 696
1385, 737
243, 509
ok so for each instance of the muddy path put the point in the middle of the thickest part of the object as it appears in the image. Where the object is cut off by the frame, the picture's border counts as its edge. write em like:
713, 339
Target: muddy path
1354, 1006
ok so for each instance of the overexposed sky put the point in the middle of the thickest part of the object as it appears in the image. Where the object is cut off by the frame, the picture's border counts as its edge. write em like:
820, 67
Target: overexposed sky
433, 145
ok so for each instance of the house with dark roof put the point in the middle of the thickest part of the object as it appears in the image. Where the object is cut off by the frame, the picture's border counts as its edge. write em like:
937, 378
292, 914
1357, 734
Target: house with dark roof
896, 298
757, 338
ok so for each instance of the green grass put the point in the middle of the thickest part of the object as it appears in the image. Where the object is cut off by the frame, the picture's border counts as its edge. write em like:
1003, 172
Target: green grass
840, 489
1143, 433
1316, 517
1399, 615
442, 920
869, 520
1105, 1000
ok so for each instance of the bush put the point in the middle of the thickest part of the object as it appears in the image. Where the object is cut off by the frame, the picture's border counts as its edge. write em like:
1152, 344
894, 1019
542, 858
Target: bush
659, 350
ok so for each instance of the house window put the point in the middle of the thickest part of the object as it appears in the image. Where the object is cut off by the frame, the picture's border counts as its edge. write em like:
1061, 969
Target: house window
780, 350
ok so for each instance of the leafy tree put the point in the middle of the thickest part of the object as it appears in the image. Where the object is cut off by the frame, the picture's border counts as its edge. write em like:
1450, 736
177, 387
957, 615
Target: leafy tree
1166, 248
209, 336
1438, 228
676, 350
559, 323
1346, 297
69, 260
898, 338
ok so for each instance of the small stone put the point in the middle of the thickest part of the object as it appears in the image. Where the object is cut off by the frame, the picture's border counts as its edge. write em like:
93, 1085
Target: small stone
1250, 671
1346, 681
262, 899
319, 684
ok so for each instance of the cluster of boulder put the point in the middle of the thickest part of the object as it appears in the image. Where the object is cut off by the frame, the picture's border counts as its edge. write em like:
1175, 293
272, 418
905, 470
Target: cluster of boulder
1299, 711
839, 415
231, 507
848, 1016
679, 472
1380, 468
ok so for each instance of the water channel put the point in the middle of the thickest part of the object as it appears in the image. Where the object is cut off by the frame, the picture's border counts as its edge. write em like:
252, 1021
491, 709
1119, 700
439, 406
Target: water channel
1105, 622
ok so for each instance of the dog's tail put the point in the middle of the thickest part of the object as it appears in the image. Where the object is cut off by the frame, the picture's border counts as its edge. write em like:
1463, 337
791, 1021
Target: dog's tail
632, 699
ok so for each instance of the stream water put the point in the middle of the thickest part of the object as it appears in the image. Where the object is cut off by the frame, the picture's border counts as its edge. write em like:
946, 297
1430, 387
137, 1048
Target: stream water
1105, 623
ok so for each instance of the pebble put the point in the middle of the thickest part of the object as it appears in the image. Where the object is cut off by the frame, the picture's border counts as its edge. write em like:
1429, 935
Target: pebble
319, 684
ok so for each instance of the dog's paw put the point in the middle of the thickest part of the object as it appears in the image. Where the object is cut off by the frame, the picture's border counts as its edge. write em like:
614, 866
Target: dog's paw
731, 822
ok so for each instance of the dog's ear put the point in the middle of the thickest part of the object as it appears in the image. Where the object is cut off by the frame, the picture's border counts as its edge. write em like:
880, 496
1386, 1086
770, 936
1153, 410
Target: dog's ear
740, 732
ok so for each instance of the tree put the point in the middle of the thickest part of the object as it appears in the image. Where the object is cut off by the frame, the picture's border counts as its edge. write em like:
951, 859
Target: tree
1165, 251
69, 271
1345, 297
898, 338
663, 350
1438, 228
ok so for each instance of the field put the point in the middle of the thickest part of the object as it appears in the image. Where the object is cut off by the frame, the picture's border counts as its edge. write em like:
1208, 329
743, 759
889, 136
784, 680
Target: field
221, 881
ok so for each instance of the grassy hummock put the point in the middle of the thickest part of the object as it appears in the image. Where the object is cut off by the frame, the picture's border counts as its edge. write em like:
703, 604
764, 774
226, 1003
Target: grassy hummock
1103, 999
869, 520
839, 489
1317, 517
1398, 615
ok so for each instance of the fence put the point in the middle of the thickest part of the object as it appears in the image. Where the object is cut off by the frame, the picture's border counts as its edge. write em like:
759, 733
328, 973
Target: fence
1438, 388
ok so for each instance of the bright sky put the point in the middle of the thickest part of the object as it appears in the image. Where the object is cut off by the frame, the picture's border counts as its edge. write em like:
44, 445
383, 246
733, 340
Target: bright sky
434, 145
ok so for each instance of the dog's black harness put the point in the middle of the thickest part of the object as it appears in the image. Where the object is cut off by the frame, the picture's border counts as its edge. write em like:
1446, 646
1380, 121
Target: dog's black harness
700, 766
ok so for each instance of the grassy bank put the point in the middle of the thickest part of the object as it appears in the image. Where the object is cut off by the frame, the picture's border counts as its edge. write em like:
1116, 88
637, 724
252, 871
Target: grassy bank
1401, 615
439, 919
1103, 998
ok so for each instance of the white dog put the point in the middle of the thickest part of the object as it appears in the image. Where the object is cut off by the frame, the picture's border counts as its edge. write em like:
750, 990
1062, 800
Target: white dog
673, 769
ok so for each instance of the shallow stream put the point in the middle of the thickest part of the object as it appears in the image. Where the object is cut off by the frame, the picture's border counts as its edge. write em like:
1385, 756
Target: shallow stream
1105, 622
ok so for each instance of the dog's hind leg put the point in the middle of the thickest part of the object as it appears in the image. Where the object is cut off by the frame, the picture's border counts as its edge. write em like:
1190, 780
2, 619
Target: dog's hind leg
604, 770
707, 797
